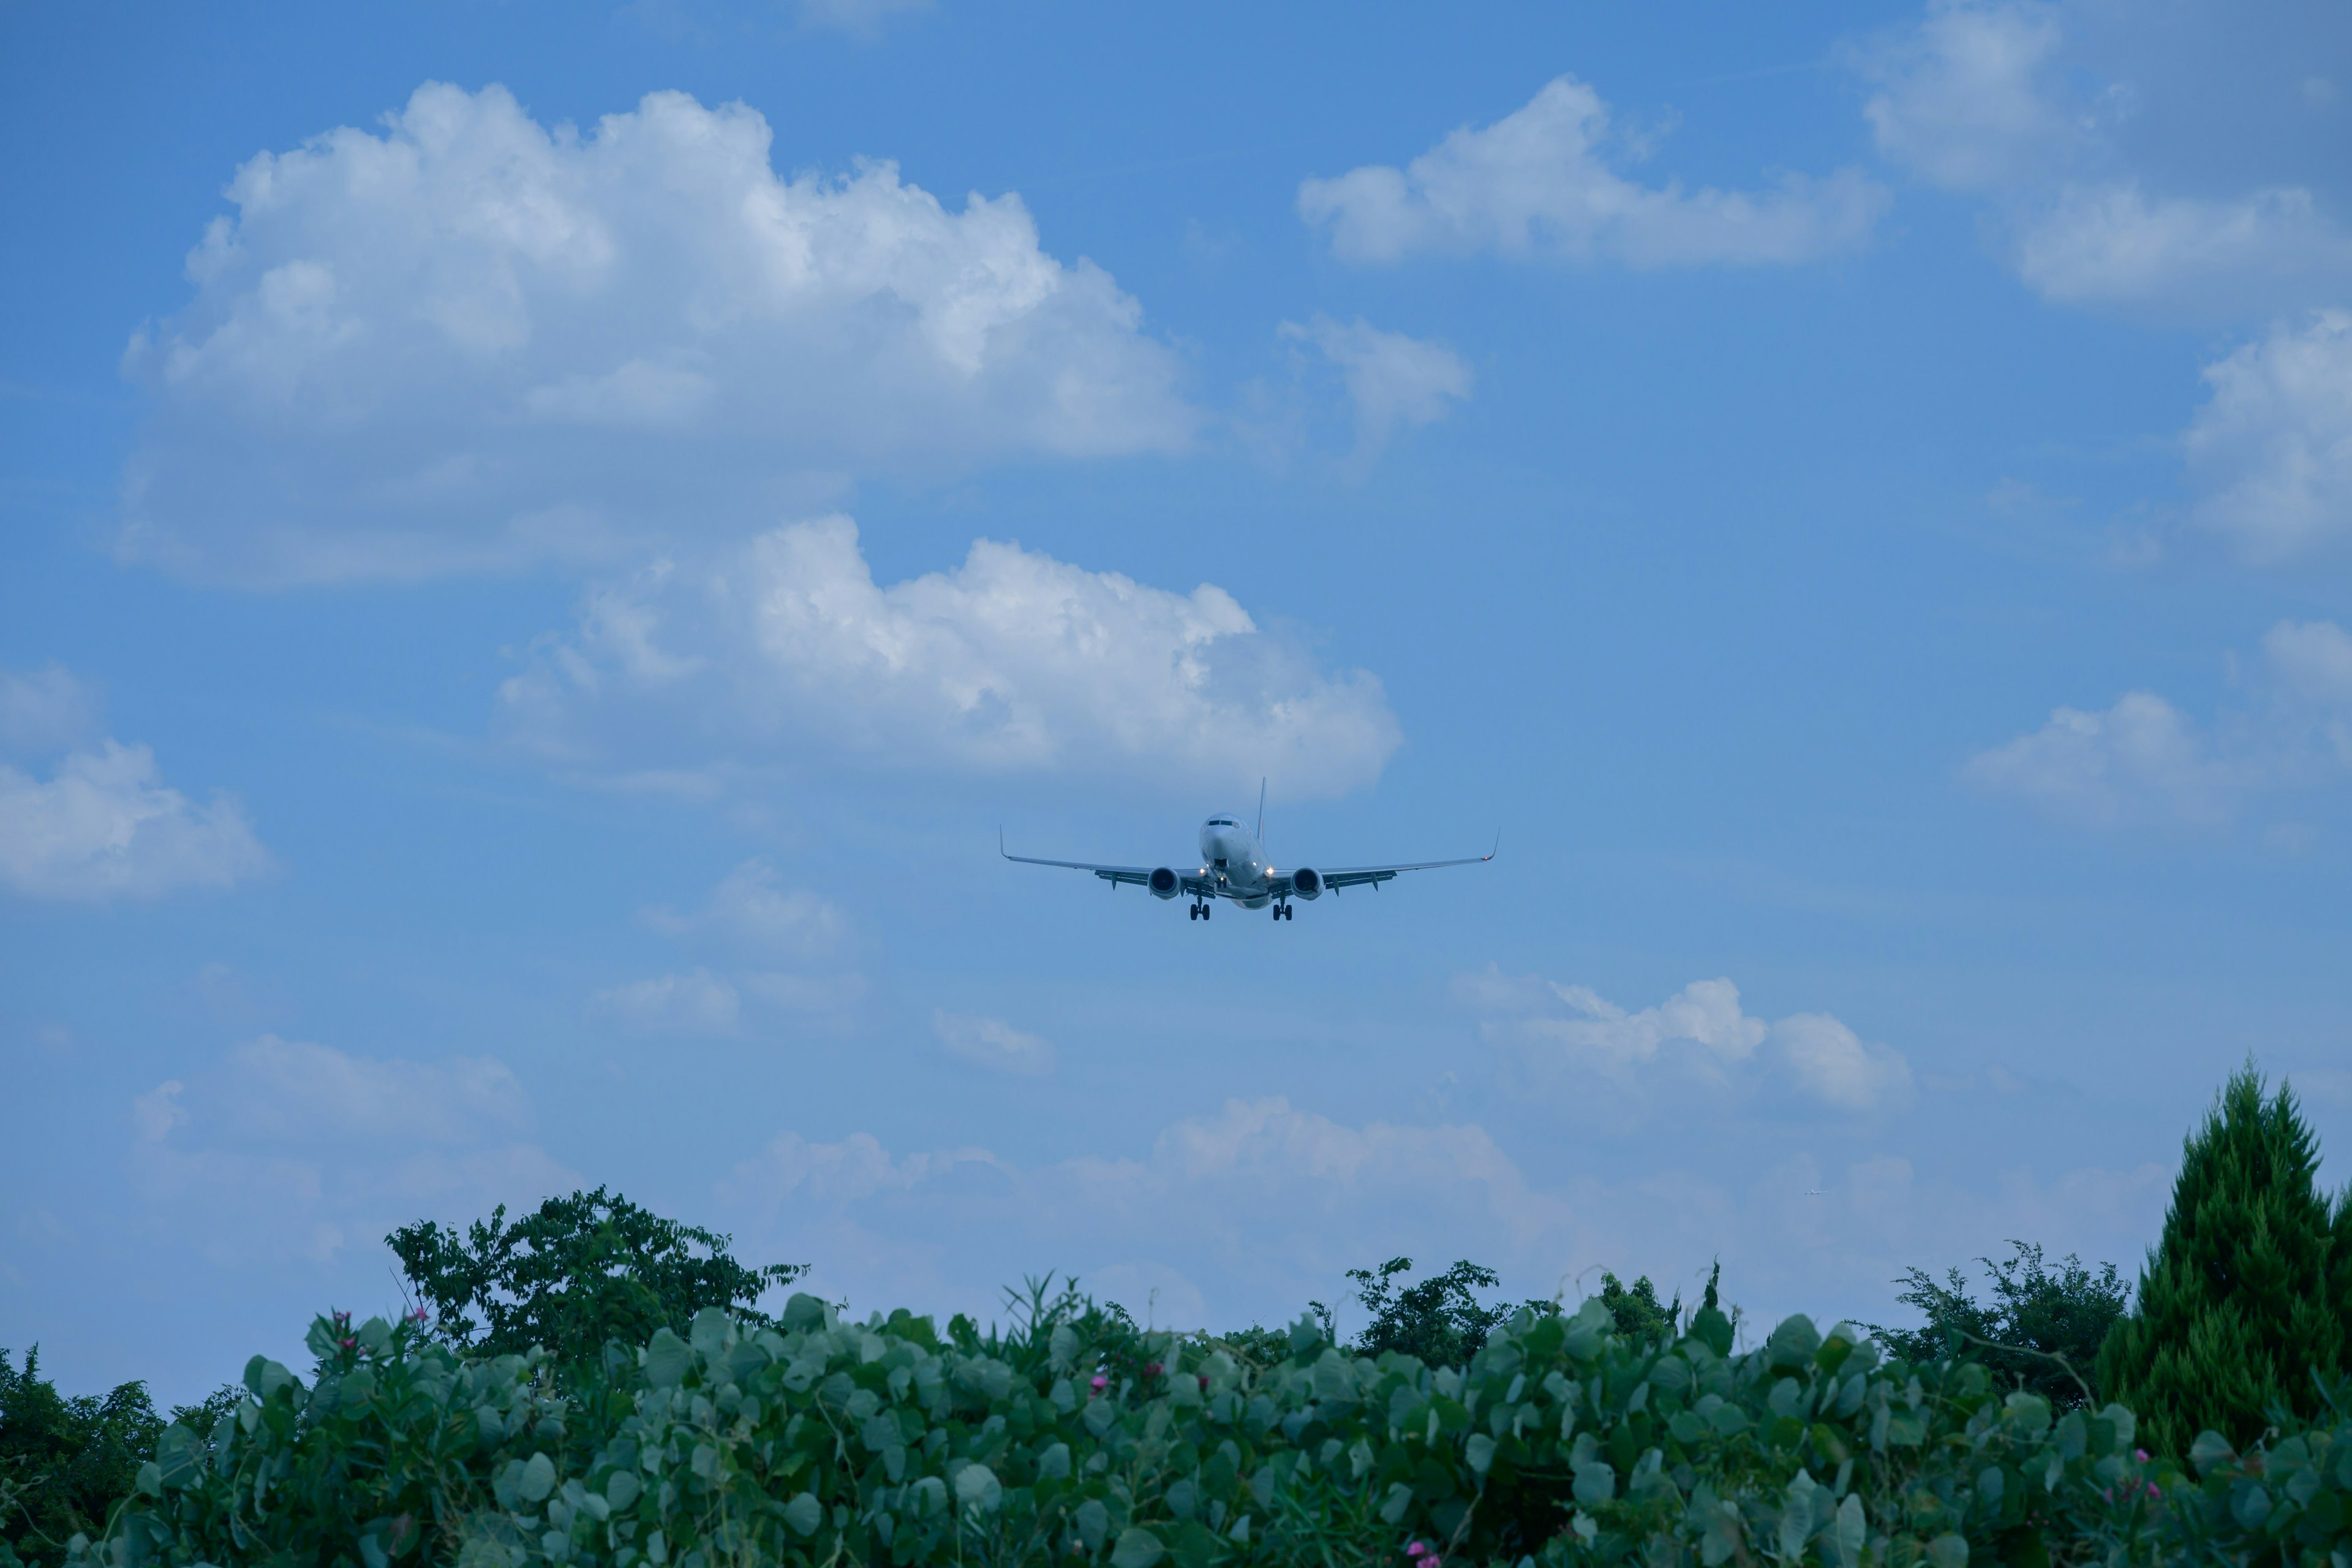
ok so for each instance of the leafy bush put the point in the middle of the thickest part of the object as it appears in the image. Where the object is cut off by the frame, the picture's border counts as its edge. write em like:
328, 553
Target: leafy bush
2244, 1296
2041, 1331
1072, 1436
582, 1270
65, 1462
1441, 1320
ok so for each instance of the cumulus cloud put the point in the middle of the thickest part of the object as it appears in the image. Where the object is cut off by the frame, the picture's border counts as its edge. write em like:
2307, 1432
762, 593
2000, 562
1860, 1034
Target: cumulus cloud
104, 826
1391, 379
2035, 106
2271, 451
2144, 762
750, 913
994, 1043
1013, 662
2140, 761
287, 1147
1539, 184
785, 949
1566, 1037
1961, 96
696, 1003
469, 341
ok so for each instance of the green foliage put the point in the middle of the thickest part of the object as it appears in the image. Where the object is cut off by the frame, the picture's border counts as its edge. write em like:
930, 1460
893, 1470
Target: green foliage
2040, 1330
583, 1271
2244, 1296
64, 1462
1071, 1437
2288, 1503
1637, 1312
1440, 1321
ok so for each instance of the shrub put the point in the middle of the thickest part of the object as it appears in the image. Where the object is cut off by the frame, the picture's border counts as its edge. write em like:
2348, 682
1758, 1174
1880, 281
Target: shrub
582, 1270
2243, 1296
2041, 1331
1073, 1438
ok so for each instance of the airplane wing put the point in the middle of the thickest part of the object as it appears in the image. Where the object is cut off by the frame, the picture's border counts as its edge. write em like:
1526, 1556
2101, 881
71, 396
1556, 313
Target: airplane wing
1340, 876
1141, 876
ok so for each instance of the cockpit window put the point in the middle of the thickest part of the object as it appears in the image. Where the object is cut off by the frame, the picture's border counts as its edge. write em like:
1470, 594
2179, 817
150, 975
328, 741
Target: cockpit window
1220, 822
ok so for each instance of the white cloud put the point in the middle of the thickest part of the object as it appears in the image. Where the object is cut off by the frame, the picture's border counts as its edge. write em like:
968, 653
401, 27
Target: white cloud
2140, 761
2034, 105
1566, 1037
994, 1043
1012, 662
472, 341
293, 1148
1960, 98
2312, 660
2114, 245
1391, 379
104, 826
1538, 184
2271, 449
696, 1003
2144, 762
749, 913
45, 709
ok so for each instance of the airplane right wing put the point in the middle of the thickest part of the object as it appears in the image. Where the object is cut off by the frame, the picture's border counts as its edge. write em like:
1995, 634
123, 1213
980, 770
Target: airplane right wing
1191, 882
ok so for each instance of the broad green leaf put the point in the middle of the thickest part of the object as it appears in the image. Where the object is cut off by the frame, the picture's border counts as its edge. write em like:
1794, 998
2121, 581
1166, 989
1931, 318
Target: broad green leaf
538, 1479
805, 1513
1137, 1548
666, 1358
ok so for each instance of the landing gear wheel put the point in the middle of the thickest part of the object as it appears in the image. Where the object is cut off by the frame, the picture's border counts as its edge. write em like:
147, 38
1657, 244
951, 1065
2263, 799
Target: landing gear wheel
1288, 914
1207, 910
1192, 912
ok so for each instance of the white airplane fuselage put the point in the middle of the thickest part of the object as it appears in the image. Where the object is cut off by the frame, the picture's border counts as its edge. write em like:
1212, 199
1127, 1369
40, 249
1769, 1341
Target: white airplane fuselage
1233, 858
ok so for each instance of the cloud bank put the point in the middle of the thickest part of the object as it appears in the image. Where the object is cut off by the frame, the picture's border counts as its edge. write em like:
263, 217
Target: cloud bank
471, 341
1013, 662
1537, 184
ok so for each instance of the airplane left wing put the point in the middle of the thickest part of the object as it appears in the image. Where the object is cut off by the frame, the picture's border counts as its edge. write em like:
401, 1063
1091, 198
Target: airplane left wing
1340, 876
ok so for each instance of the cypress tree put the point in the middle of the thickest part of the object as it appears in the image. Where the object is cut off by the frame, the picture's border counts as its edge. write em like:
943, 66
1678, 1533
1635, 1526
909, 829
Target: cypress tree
2243, 1294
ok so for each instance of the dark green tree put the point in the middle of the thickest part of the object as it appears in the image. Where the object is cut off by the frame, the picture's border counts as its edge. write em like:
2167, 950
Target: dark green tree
2040, 1330
583, 1270
1637, 1311
2243, 1294
65, 1462
1441, 1320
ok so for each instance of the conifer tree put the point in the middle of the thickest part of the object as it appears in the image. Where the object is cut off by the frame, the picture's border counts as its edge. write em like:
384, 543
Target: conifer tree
2243, 1294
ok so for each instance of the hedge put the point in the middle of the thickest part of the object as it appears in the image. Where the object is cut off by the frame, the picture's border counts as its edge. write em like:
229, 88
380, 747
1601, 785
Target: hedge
1073, 1438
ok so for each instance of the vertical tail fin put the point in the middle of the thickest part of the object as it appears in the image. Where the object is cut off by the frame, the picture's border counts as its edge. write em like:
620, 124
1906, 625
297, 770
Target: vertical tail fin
1261, 812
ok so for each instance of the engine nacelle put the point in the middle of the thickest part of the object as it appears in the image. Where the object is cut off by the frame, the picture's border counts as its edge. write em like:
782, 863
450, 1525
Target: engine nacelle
1164, 883
1307, 883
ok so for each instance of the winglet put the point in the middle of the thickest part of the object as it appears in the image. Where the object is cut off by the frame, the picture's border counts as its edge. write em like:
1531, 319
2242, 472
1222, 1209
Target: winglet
1498, 849
1261, 811
1000, 849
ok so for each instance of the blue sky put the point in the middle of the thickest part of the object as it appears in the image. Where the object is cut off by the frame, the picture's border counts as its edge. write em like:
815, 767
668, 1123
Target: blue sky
542, 546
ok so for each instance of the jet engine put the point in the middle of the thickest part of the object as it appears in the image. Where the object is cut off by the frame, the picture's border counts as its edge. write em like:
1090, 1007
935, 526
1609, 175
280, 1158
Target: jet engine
1307, 883
1163, 884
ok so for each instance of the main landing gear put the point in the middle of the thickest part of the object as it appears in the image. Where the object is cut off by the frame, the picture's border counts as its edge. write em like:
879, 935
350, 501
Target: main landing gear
1200, 909
1284, 912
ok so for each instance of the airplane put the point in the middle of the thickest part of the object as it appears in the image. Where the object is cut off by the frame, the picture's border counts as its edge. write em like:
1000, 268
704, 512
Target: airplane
1236, 868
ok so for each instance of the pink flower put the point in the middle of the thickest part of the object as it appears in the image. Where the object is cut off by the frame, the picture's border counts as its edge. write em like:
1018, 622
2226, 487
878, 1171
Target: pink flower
1100, 1382
2152, 1491
1417, 1549
349, 1343
1431, 1561
2140, 1454
1151, 1369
